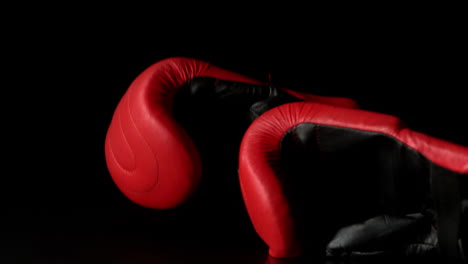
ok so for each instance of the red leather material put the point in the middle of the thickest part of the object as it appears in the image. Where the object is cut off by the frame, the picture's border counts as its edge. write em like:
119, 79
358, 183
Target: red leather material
260, 152
337, 101
150, 157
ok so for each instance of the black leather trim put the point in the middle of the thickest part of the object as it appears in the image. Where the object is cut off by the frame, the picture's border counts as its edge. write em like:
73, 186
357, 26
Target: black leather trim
346, 179
219, 95
215, 114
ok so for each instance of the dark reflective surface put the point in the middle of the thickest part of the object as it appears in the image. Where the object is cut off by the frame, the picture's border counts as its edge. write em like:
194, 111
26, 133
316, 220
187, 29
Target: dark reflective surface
105, 236
100, 236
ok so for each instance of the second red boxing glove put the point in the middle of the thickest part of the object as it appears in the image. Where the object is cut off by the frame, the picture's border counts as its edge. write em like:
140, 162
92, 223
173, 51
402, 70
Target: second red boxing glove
352, 183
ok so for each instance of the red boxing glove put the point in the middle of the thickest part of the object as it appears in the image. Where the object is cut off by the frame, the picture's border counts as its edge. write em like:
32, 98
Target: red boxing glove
150, 154
358, 182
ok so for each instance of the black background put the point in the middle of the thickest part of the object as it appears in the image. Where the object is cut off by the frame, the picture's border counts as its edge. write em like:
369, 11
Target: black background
59, 202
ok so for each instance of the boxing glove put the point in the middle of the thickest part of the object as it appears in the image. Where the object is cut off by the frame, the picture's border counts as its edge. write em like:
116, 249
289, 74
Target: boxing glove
342, 182
171, 110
